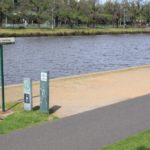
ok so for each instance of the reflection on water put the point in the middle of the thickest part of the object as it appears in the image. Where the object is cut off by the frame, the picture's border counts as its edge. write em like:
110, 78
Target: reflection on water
72, 55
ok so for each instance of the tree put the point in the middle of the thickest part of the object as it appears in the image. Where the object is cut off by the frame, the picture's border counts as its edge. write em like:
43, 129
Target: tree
146, 11
135, 11
36, 8
5, 6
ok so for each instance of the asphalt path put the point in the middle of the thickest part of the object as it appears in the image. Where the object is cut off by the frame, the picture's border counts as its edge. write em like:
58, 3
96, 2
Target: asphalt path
86, 131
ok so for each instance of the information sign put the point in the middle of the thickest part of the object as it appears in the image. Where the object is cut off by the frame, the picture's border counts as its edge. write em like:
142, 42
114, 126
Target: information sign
27, 94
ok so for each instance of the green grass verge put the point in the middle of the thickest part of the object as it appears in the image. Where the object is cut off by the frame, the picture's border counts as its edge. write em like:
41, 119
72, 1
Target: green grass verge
22, 119
140, 141
59, 32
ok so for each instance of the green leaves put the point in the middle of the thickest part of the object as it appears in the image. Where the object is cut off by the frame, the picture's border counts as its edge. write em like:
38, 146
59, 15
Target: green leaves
75, 12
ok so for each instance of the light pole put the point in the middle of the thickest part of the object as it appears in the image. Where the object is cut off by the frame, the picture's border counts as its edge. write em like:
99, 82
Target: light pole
124, 18
52, 18
13, 3
68, 2
53, 21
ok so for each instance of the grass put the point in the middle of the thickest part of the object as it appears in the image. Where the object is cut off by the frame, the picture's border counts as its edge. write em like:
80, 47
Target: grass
76, 31
140, 141
22, 119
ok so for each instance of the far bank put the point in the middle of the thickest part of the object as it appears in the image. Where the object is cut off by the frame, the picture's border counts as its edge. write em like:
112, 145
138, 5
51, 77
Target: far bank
68, 32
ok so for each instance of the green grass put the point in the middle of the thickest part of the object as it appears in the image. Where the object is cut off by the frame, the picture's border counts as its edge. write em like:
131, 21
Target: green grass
140, 141
77, 31
22, 119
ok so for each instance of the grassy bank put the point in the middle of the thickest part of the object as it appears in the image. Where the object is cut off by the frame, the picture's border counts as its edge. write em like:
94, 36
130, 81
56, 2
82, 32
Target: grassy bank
140, 141
61, 32
22, 119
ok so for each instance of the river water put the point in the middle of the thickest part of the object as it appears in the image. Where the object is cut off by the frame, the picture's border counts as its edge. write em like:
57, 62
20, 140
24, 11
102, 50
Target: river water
73, 55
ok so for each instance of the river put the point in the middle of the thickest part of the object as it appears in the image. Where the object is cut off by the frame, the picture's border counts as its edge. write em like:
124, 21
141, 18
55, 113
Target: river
73, 55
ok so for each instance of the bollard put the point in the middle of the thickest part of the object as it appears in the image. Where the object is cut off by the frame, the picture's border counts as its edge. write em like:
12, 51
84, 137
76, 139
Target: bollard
44, 92
28, 94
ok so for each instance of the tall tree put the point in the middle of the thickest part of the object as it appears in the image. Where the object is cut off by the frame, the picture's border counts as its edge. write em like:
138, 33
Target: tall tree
37, 8
5, 6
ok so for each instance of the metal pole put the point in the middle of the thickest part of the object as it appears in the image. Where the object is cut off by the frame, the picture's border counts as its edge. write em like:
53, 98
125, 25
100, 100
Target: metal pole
13, 3
2, 78
52, 18
68, 2
124, 18
6, 20
53, 13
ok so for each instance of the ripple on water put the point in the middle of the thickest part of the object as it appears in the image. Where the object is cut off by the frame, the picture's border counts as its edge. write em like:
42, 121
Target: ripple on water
64, 56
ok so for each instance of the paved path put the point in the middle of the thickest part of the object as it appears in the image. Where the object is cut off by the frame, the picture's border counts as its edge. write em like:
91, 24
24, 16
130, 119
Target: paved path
87, 131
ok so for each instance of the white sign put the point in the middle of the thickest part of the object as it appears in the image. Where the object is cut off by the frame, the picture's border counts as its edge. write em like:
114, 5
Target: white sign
7, 40
27, 86
43, 76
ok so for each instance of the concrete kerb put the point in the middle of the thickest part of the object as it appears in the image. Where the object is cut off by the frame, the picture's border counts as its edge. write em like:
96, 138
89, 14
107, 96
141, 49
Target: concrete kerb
85, 75
101, 73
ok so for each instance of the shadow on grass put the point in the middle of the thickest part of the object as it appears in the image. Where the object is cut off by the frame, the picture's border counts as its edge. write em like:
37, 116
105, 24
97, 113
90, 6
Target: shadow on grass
14, 105
21, 101
143, 148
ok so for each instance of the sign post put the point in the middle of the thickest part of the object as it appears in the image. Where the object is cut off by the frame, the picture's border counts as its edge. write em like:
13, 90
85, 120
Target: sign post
3, 41
2, 78
44, 92
28, 94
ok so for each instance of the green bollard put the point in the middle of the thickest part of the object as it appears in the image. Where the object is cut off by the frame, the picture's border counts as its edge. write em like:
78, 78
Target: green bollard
44, 92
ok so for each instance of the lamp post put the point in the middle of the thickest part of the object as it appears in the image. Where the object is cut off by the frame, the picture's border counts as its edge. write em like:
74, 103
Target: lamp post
53, 20
3, 41
13, 3
68, 2
124, 18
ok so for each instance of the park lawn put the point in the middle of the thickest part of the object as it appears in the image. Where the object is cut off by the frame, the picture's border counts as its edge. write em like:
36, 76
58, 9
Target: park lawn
65, 31
139, 141
22, 119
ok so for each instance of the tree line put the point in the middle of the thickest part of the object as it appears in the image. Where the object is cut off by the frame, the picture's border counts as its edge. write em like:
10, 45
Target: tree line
74, 13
